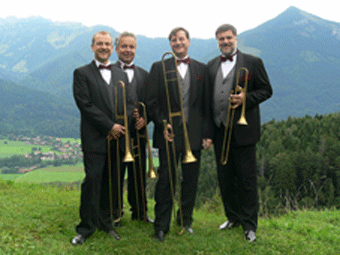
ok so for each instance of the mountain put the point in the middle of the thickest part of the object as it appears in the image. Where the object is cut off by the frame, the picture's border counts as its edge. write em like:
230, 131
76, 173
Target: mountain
300, 52
30, 112
302, 58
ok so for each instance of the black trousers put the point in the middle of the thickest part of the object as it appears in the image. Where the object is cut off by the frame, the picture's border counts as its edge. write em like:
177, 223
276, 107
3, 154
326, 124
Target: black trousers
94, 201
163, 193
238, 182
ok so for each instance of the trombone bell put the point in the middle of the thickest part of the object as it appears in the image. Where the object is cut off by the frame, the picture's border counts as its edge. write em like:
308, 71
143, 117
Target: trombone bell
242, 120
152, 174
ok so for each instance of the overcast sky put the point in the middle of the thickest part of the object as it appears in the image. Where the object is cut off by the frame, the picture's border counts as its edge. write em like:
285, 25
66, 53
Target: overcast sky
155, 18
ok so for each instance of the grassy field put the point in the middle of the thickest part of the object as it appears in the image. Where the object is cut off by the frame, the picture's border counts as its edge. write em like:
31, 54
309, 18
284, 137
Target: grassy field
54, 174
64, 174
37, 219
18, 148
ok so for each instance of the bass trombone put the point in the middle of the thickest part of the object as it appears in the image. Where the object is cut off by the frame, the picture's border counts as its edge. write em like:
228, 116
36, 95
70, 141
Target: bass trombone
173, 76
231, 112
138, 154
152, 172
188, 156
127, 157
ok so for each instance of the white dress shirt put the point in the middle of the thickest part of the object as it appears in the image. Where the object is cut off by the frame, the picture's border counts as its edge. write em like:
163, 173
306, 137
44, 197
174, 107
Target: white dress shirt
129, 71
106, 74
182, 68
228, 65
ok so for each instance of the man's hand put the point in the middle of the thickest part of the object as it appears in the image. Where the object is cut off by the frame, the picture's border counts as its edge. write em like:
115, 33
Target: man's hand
116, 131
140, 122
169, 136
237, 99
207, 143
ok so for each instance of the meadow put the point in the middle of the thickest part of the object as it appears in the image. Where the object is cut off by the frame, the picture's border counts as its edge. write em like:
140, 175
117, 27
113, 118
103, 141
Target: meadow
39, 219
10, 148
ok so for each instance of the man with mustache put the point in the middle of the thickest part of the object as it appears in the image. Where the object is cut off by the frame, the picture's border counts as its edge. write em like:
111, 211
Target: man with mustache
93, 90
126, 46
237, 179
195, 91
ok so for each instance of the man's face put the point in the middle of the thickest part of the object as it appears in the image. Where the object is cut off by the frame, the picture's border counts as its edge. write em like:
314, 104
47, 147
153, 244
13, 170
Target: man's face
180, 44
227, 42
126, 50
102, 47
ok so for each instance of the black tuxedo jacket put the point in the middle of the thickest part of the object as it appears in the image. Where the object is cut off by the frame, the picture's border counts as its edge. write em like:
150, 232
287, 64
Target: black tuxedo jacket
258, 90
95, 101
199, 123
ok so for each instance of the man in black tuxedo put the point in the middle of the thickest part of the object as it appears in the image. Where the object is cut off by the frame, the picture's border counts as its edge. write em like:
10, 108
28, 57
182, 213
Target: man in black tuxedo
238, 178
126, 46
94, 95
195, 91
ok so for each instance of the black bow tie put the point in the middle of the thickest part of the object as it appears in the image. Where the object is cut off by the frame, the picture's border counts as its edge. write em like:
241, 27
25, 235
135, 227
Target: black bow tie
129, 67
108, 67
230, 58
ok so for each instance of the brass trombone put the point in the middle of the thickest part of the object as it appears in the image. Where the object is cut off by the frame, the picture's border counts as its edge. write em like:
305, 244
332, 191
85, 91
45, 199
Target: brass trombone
188, 156
152, 173
128, 155
231, 112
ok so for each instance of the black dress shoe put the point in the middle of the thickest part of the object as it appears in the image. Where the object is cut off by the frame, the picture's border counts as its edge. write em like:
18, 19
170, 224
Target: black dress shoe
159, 236
189, 229
148, 220
78, 240
250, 235
114, 234
229, 225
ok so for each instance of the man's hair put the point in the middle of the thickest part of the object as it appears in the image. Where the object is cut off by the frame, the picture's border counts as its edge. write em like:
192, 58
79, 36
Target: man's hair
175, 30
121, 35
226, 27
102, 33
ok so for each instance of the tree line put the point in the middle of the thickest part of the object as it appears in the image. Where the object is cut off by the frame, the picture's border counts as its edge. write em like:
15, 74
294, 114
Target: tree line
298, 166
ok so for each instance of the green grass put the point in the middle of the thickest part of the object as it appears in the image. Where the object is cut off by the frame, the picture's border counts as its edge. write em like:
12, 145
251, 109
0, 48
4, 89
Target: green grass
37, 219
18, 148
53, 174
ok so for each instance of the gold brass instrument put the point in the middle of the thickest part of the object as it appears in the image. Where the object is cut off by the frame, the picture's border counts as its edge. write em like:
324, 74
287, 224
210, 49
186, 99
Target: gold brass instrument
231, 113
188, 156
127, 157
152, 173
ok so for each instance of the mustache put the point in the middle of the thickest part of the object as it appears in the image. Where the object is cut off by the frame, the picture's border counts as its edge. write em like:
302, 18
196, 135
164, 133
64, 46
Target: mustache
225, 45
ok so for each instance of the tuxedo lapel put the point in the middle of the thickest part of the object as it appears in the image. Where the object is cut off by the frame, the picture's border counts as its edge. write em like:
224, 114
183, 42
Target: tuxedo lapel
193, 84
239, 64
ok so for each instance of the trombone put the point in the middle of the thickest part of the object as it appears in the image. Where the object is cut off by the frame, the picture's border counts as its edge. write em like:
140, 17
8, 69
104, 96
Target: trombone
127, 157
231, 112
152, 172
188, 156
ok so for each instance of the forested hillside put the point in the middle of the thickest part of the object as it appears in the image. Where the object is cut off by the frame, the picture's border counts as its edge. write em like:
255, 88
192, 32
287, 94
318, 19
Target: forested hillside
298, 165
299, 160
